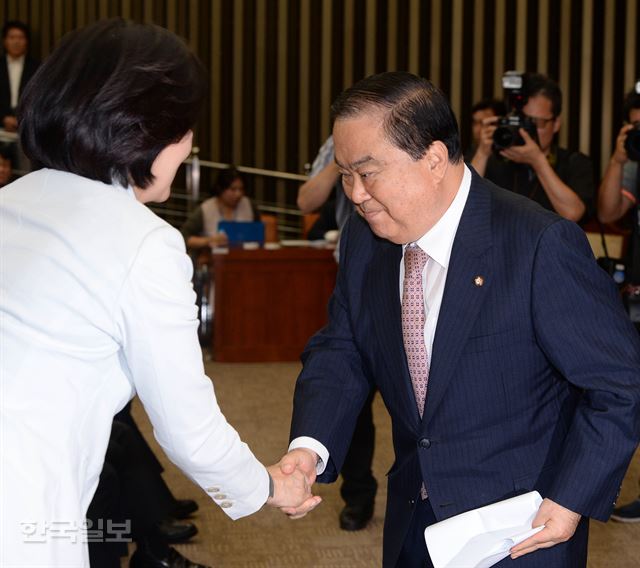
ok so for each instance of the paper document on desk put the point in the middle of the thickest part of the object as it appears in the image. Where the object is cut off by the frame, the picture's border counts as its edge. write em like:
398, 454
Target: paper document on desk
482, 537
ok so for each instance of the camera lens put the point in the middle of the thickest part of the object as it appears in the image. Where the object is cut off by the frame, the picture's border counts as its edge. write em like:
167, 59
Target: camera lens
504, 137
632, 143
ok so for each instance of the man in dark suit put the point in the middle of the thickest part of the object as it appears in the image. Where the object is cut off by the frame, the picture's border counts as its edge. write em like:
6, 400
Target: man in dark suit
16, 69
501, 349
6, 168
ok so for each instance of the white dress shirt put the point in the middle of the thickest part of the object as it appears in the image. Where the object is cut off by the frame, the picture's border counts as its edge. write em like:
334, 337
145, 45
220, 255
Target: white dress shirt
96, 304
15, 66
437, 243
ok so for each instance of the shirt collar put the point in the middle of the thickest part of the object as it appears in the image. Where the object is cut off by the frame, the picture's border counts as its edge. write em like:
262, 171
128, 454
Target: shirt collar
438, 241
15, 60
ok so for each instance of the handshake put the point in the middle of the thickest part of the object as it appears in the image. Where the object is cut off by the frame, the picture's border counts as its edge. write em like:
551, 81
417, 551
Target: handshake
292, 478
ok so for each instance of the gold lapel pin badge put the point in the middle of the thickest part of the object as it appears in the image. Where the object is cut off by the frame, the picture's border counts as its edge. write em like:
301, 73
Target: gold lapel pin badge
478, 281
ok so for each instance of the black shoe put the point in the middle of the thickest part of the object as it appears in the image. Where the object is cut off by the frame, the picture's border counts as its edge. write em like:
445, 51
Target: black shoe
628, 513
143, 559
183, 508
355, 517
173, 532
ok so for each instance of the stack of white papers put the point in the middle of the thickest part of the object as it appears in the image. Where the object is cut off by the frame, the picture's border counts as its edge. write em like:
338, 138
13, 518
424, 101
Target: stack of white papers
482, 537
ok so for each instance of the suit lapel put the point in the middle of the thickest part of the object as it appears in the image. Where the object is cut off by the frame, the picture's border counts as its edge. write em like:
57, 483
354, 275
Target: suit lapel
463, 293
27, 72
4, 81
384, 278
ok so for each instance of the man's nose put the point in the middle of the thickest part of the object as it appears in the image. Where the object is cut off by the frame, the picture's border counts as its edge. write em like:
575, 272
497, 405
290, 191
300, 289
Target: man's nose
358, 192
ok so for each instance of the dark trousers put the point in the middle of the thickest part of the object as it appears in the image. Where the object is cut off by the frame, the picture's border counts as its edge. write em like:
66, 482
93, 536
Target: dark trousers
358, 485
414, 552
570, 554
125, 416
141, 486
106, 505
130, 489
152, 464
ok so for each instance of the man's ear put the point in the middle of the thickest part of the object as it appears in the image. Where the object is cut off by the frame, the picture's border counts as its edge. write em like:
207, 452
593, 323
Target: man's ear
437, 159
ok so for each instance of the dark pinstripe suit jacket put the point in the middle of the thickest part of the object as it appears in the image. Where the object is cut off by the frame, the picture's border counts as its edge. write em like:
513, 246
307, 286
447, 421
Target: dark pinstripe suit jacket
534, 380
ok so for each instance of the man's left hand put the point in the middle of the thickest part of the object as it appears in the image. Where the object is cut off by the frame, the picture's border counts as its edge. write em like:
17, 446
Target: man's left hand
528, 153
560, 524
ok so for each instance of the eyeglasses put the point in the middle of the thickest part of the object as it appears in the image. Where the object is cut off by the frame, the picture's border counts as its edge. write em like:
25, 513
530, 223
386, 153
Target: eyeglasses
539, 121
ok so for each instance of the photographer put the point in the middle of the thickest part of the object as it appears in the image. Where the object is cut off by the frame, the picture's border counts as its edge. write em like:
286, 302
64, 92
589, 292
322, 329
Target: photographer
619, 188
558, 179
618, 193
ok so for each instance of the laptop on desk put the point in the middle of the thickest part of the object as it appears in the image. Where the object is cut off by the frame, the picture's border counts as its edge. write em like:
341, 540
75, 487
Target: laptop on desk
239, 232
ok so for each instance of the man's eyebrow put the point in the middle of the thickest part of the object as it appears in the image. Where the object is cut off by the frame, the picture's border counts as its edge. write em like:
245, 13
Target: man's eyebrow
357, 163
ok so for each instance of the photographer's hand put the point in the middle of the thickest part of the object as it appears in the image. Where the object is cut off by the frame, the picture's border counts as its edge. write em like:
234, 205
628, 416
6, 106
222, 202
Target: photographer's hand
529, 153
613, 204
486, 134
483, 151
620, 153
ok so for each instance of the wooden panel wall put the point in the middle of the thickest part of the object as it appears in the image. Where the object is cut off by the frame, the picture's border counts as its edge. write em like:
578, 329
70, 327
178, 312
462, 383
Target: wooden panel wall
276, 65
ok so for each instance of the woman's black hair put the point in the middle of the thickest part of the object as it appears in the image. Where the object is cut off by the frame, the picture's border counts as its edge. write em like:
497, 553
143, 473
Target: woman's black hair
109, 98
226, 178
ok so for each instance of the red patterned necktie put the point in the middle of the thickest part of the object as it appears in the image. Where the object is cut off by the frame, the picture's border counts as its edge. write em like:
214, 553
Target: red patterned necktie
413, 318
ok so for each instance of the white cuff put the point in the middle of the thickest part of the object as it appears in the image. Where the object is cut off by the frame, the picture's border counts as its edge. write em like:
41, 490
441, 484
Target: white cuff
315, 446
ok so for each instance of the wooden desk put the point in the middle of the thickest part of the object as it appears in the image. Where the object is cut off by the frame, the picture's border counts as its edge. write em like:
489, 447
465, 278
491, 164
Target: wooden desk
268, 303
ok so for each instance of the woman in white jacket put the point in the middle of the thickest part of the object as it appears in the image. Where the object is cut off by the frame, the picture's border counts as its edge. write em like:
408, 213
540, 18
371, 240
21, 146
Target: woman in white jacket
96, 303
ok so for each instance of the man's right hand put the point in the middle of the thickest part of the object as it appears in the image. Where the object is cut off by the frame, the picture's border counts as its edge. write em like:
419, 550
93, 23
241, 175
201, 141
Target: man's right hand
485, 144
291, 492
300, 461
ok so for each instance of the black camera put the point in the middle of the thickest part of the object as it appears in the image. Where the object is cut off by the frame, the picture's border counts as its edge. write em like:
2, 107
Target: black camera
632, 143
507, 132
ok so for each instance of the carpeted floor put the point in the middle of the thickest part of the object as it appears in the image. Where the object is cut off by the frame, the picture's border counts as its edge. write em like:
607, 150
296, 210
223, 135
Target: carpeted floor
256, 399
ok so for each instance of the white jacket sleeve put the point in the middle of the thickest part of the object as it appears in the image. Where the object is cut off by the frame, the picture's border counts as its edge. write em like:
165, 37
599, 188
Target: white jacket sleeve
158, 323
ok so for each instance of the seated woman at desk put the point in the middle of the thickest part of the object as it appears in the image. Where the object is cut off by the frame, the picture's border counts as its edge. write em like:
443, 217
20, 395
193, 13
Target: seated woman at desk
229, 203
